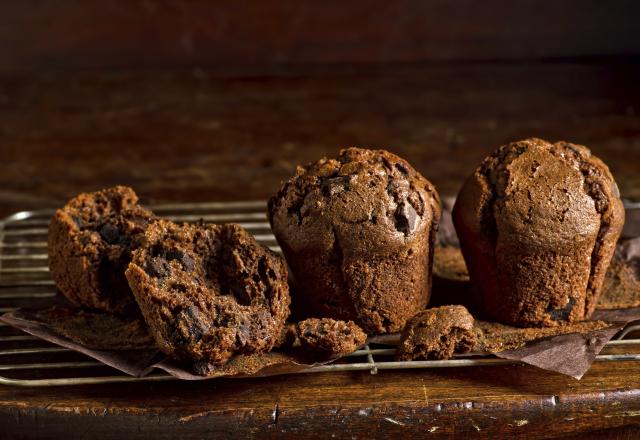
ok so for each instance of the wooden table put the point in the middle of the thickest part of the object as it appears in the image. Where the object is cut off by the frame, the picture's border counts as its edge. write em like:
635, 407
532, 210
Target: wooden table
199, 136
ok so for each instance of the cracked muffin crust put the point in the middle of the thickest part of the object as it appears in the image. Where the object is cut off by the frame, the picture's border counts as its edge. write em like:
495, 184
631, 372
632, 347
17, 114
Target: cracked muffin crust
90, 244
538, 224
208, 292
437, 333
358, 234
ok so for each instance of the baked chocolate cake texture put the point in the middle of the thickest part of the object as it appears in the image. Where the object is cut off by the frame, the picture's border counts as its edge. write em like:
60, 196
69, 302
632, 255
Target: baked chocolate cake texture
358, 233
90, 243
208, 292
325, 336
437, 333
538, 224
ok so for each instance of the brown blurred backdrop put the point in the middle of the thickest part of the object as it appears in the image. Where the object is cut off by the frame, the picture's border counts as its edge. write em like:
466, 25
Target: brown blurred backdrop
206, 100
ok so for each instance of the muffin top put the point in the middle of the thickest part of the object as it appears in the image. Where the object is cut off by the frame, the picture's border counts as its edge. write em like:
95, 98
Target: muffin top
364, 198
547, 194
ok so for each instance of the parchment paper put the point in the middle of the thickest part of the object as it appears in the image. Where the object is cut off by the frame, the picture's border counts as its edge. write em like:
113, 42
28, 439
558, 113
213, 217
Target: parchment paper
567, 353
139, 363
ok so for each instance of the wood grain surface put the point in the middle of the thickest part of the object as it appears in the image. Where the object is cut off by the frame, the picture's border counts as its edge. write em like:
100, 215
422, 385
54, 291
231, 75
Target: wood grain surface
266, 35
195, 136
198, 135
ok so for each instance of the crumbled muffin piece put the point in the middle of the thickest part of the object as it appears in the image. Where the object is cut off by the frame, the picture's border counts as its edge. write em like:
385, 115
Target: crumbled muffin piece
437, 333
90, 245
328, 336
208, 292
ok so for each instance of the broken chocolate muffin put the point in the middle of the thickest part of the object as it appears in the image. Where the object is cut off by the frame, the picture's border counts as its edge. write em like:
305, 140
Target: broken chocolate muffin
208, 292
326, 336
538, 224
437, 333
90, 244
358, 234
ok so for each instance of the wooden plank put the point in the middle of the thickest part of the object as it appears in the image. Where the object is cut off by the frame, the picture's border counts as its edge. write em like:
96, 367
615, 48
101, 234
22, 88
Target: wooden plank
483, 401
179, 137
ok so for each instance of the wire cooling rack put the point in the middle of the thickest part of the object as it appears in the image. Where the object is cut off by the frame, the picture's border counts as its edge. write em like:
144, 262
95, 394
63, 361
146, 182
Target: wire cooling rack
25, 282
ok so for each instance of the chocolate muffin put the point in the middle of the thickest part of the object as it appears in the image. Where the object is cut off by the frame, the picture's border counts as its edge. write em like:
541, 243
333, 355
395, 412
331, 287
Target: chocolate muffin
208, 292
90, 244
358, 234
326, 336
437, 333
538, 224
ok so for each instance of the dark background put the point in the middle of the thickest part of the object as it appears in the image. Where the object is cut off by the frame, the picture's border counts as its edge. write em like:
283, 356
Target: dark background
200, 100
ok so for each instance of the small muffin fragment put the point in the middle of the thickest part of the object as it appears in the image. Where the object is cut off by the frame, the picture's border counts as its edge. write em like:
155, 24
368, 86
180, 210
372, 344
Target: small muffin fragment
538, 224
208, 292
437, 333
90, 245
358, 233
328, 337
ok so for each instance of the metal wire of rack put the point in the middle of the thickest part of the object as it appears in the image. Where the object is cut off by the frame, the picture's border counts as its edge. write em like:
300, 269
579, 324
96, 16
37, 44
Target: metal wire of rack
25, 282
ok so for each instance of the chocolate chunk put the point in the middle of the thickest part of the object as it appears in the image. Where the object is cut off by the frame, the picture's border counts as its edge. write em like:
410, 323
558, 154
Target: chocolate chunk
194, 320
184, 259
109, 233
335, 185
403, 169
157, 267
243, 333
563, 313
187, 263
406, 218
251, 327
78, 221
174, 254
